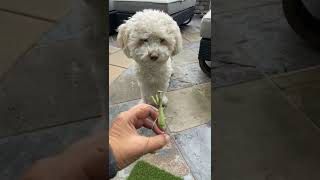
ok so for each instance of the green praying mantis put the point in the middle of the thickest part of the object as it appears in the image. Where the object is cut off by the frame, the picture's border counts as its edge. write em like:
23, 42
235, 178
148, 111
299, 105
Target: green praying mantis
158, 101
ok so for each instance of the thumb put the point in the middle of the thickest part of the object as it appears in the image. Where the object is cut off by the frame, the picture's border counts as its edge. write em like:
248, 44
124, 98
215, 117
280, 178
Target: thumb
157, 142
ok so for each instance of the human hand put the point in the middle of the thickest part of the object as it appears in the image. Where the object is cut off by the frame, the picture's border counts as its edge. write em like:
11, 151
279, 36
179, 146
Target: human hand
126, 143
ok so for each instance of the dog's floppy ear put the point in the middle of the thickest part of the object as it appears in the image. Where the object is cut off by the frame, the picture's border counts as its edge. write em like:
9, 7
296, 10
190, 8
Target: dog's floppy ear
122, 38
178, 45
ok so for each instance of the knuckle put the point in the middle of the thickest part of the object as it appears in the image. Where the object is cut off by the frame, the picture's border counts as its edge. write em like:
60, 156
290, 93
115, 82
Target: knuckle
143, 106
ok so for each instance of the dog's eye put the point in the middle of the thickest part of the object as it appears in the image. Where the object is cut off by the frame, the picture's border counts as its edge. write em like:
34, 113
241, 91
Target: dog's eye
162, 40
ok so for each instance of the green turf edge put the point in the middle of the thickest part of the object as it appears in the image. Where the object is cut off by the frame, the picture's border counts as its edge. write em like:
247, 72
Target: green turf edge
145, 171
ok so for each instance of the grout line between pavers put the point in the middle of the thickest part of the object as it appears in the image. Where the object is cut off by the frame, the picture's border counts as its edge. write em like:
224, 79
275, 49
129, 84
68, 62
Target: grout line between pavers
17, 61
118, 66
291, 102
33, 45
186, 39
51, 126
282, 93
177, 132
122, 102
118, 75
181, 154
271, 76
180, 149
295, 72
288, 99
114, 52
118, 103
28, 15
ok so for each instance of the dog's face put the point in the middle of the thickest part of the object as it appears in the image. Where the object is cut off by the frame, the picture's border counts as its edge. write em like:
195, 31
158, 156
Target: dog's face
151, 48
150, 37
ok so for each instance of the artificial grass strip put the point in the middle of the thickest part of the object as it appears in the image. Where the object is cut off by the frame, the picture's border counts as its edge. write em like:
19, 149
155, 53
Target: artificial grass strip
145, 171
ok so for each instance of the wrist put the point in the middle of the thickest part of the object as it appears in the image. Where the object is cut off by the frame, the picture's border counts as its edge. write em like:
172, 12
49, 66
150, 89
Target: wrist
114, 152
113, 168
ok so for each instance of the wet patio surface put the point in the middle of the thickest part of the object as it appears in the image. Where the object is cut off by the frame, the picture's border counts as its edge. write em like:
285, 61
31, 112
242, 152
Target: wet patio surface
188, 112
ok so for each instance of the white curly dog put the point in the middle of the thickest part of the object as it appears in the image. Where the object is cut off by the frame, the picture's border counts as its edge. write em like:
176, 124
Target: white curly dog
151, 37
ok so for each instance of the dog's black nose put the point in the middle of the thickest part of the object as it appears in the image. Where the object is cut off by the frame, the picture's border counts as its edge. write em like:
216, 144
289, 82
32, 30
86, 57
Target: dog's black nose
153, 57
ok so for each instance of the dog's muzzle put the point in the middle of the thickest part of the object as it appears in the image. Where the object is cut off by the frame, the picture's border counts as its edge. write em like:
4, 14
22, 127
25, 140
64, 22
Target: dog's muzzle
153, 56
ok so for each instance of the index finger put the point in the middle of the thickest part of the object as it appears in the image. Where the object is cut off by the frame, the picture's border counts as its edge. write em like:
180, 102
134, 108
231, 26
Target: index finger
143, 111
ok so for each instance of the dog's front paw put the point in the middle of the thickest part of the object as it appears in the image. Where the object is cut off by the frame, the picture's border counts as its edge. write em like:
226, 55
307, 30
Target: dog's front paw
165, 101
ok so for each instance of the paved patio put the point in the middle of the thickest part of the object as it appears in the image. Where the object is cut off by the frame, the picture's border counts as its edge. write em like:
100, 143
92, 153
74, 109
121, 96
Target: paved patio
48, 98
188, 113
266, 101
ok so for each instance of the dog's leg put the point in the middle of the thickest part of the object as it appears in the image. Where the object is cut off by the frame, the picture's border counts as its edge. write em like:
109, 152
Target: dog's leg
147, 91
147, 98
164, 100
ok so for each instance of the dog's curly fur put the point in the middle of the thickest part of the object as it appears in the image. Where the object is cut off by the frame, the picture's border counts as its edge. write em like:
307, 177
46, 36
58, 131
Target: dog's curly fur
151, 37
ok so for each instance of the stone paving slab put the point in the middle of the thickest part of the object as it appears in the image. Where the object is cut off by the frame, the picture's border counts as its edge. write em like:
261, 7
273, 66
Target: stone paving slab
13, 42
303, 89
113, 49
193, 46
185, 56
50, 87
52, 10
191, 37
296, 78
261, 37
195, 145
114, 73
229, 74
126, 88
187, 75
19, 152
81, 21
120, 59
188, 107
261, 136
